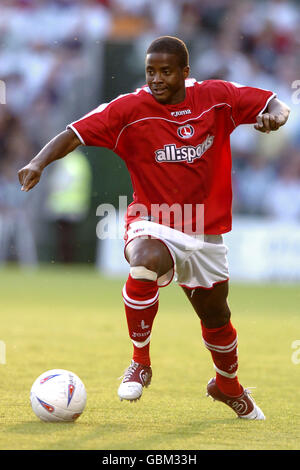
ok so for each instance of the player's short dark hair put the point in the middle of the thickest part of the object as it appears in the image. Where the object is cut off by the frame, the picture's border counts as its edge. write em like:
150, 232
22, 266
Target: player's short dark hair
170, 45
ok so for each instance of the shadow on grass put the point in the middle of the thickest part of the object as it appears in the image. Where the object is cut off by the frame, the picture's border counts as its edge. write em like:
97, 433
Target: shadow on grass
185, 437
60, 436
38, 427
113, 436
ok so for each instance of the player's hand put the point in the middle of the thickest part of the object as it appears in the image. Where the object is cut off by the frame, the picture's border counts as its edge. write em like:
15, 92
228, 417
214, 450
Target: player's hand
268, 122
29, 176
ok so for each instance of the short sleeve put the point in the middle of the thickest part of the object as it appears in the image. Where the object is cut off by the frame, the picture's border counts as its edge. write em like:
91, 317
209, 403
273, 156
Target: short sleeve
247, 102
100, 127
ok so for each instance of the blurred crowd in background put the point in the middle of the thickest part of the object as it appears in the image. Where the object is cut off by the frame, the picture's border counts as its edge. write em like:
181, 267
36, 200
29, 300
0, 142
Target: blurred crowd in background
51, 62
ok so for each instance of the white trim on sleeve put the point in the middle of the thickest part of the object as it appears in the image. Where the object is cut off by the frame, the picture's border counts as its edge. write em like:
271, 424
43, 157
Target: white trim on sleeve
267, 102
70, 126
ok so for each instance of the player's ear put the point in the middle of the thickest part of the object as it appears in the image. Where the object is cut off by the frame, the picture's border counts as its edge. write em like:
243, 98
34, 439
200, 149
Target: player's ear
186, 71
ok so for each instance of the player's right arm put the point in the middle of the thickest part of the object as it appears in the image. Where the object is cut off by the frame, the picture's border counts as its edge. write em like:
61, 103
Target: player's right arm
100, 127
58, 147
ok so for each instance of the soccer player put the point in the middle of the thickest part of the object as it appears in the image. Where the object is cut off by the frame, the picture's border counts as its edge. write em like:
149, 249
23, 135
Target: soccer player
174, 136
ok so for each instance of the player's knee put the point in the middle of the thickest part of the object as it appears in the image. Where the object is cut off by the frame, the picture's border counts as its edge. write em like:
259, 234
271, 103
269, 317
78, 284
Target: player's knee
149, 259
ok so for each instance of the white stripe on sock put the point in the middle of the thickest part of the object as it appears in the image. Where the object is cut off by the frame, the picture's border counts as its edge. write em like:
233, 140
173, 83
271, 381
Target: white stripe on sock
221, 349
137, 307
225, 374
140, 344
139, 302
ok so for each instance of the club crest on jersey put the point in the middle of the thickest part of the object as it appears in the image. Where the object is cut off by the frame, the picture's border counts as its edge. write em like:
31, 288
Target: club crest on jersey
185, 132
187, 153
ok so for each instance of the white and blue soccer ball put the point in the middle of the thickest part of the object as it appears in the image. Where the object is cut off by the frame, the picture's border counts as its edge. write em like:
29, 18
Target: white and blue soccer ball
58, 395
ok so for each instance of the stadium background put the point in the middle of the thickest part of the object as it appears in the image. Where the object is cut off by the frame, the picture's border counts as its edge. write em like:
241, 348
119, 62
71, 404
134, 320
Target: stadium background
61, 58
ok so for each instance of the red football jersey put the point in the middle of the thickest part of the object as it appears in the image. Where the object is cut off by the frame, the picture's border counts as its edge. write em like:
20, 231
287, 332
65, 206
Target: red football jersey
177, 155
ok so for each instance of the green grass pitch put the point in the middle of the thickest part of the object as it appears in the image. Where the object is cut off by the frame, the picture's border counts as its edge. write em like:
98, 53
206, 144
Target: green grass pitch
73, 318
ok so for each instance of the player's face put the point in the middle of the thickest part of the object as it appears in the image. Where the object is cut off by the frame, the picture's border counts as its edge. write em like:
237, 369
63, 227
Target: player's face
165, 77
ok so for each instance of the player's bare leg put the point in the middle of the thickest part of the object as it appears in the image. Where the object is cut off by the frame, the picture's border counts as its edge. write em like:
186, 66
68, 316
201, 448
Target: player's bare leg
149, 259
210, 304
220, 338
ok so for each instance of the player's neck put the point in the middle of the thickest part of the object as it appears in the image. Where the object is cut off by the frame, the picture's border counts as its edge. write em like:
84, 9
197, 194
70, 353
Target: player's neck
177, 99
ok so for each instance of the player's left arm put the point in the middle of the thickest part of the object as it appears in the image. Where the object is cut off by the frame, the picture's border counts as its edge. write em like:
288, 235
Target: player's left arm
275, 116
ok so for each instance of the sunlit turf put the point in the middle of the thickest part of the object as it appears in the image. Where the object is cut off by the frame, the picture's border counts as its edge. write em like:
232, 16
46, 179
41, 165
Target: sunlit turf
73, 318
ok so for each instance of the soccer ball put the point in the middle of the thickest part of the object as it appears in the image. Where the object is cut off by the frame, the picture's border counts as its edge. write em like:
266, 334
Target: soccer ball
58, 395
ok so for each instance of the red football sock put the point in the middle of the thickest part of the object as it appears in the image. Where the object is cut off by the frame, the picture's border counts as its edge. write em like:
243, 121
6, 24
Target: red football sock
141, 305
222, 344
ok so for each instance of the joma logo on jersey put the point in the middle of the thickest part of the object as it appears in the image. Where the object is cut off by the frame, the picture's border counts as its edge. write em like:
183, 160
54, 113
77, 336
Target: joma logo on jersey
188, 153
185, 131
183, 112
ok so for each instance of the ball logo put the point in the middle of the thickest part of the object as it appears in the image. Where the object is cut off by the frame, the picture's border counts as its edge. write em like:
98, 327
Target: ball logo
45, 405
185, 131
71, 390
45, 379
